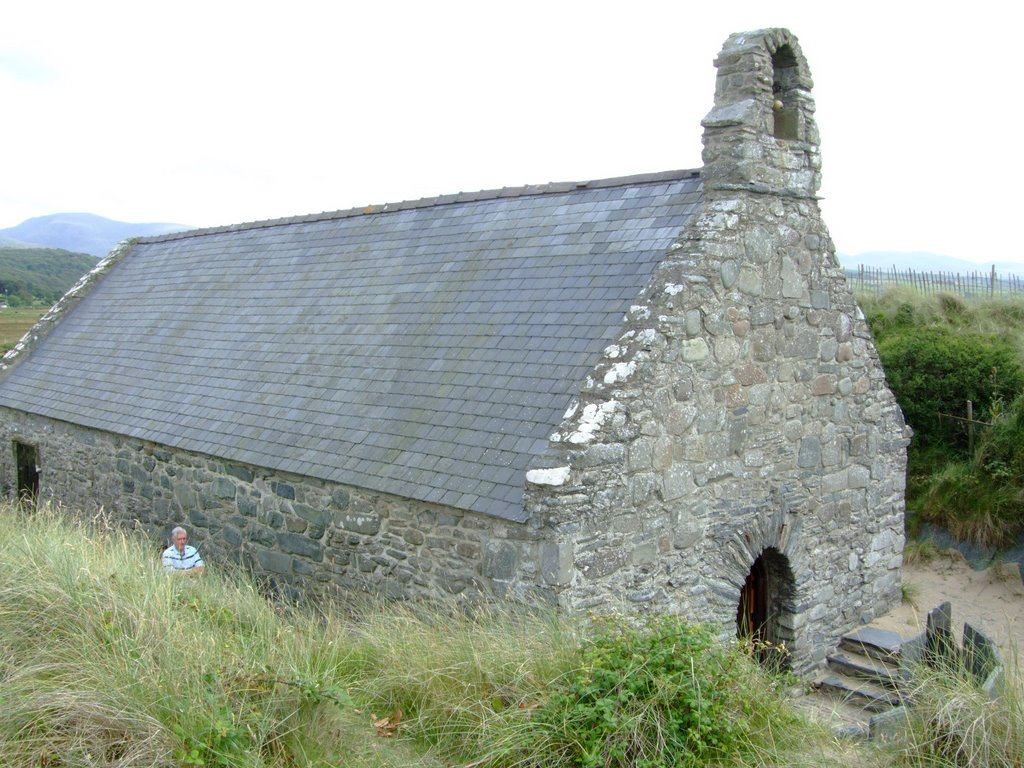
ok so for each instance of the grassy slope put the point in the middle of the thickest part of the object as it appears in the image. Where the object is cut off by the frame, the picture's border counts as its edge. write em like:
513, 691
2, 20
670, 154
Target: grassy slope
14, 322
105, 660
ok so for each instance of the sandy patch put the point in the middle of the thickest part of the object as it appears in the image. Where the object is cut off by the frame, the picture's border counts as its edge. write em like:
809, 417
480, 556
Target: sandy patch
991, 600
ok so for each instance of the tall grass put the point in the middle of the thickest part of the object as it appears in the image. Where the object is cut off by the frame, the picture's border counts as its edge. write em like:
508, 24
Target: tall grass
107, 661
954, 723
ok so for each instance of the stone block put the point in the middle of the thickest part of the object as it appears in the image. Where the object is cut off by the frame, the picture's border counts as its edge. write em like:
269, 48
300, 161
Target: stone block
810, 453
601, 454
640, 456
185, 496
750, 374
366, 524
730, 272
246, 506
297, 544
981, 656
750, 281
319, 517
556, 563
296, 524
823, 385
264, 536
676, 481
414, 537
232, 536
858, 476
644, 554
500, 560
695, 350
940, 647
243, 474
274, 562
447, 521
284, 490
596, 565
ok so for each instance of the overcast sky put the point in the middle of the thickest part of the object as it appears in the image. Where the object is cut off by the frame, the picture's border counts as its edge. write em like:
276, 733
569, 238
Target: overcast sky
216, 112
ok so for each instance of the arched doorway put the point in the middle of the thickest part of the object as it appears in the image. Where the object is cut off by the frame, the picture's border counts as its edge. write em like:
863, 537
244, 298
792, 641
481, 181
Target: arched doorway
765, 604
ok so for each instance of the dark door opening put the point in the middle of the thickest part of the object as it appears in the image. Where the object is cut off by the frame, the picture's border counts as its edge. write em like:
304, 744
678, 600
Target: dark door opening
765, 601
752, 616
27, 459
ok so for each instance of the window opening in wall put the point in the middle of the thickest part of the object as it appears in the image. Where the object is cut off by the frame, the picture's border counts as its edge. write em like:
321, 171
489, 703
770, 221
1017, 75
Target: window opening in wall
764, 603
26, 458
785, 115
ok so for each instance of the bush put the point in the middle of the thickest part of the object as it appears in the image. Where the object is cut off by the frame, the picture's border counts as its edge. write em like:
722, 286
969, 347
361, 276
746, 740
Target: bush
661, 693
935, 370
981, 499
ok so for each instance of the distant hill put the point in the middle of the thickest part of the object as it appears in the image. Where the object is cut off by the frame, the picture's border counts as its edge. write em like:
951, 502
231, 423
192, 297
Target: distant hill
922, 261
40, 274
80, 232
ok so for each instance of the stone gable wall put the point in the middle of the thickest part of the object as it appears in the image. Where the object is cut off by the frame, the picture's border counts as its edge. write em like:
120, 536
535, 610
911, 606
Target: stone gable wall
742, 411
304, 536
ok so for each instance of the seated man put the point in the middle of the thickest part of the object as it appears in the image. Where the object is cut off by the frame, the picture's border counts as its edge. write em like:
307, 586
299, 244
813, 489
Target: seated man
180, 556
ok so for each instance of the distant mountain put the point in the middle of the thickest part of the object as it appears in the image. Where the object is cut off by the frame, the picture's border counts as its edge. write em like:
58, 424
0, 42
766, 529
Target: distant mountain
79, 232
922, 261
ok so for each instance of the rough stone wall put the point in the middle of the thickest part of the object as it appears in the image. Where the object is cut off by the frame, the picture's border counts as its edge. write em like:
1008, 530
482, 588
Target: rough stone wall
743, 410
304, 536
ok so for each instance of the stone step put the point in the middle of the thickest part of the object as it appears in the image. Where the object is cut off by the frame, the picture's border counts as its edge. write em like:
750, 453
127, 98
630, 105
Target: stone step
857, 693
855, 665
880, 644
843, 719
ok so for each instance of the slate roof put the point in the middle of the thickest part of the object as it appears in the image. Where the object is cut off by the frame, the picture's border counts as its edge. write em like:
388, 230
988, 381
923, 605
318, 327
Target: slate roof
425, 349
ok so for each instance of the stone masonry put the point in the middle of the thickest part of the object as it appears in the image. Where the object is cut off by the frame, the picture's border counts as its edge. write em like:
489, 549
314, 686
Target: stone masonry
743, 409
307, 538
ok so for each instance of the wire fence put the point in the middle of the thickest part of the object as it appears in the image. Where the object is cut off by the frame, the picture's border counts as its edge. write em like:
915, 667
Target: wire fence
984, 284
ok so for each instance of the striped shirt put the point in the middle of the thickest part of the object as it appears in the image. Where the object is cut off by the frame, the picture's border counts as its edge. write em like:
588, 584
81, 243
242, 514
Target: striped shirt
181, 561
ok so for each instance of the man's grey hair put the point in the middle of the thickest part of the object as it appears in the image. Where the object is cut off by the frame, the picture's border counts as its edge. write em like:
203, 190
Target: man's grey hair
176, 530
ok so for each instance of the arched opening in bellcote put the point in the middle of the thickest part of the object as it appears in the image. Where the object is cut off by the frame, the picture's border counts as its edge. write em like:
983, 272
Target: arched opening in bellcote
785, 81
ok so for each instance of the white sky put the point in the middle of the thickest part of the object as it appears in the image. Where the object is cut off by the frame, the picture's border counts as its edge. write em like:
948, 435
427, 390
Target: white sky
218, 112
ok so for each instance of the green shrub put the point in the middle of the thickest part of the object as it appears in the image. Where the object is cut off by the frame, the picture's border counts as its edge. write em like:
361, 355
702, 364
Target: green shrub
662, 693
934, 371
981, 499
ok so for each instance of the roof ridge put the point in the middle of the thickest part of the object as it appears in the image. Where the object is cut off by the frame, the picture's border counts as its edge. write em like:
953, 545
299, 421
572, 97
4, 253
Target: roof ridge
527, 190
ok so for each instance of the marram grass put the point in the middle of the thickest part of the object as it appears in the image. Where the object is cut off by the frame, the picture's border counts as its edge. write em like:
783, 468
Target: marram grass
107, 661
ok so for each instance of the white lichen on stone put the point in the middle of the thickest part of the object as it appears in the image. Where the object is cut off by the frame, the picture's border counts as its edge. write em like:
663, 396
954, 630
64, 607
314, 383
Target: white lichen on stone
552, 476
647, 336
639, 311
619, 371
612, 351
674, 288
571, 410
593, 417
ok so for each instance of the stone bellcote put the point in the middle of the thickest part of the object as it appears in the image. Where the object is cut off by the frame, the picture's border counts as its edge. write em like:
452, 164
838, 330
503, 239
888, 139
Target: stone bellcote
761, 136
